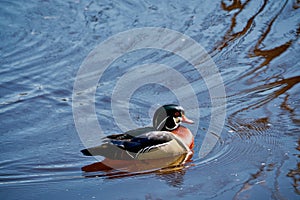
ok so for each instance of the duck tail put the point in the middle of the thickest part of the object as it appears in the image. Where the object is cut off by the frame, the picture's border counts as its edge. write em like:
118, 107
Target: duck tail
86, 152
95, 151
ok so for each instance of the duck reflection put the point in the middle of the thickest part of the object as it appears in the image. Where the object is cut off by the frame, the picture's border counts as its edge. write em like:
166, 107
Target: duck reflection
163, 164
171, 170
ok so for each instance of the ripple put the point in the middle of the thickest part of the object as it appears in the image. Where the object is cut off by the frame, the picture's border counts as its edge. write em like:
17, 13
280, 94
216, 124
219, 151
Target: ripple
244, 140
10, 32
38, 178
231, 152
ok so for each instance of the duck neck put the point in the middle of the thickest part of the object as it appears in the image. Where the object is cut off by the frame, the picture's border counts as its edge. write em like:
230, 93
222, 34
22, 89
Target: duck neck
168, 124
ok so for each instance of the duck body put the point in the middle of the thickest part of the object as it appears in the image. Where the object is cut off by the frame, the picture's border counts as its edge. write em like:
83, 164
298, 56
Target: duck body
167, 138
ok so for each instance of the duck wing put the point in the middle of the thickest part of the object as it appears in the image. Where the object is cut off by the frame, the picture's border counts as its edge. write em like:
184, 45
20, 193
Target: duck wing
151, 145
108, 145
129, 134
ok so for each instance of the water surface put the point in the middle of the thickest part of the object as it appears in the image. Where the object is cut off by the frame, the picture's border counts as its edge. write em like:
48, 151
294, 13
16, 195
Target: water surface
255, 45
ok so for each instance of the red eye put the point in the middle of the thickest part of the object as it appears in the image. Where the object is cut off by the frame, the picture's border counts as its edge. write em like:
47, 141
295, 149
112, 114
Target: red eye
177, 114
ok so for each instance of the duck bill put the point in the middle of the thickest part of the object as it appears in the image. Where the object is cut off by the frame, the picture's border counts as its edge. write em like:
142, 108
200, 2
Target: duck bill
187, 120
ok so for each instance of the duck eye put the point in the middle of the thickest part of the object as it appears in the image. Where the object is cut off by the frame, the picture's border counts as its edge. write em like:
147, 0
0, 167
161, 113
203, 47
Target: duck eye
177, 114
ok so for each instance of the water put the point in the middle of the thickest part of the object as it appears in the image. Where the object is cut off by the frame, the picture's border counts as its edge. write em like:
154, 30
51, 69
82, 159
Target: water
255, 45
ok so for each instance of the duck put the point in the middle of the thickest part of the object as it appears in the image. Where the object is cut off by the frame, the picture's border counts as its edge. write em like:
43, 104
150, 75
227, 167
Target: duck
166, 138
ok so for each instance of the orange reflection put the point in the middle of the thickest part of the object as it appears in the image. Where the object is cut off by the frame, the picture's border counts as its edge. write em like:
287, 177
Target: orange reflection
282, 87
295, 173
273, 53
278, 88
236, 4
229, 35
247, 185
285, 105
296, 4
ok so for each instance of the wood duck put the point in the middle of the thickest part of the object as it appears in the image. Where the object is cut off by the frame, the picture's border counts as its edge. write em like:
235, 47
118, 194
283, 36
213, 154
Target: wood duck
167, 138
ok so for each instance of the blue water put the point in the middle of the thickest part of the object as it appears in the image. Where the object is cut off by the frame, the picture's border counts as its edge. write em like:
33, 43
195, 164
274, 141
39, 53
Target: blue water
255, 45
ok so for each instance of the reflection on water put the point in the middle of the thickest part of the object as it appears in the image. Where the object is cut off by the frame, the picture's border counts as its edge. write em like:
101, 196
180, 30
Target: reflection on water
172, 175
230, 36
255, 44
271, 91
137, 165
254, 179
295, 173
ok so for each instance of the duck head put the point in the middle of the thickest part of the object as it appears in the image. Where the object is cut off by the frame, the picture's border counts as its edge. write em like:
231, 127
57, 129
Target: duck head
169, 117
